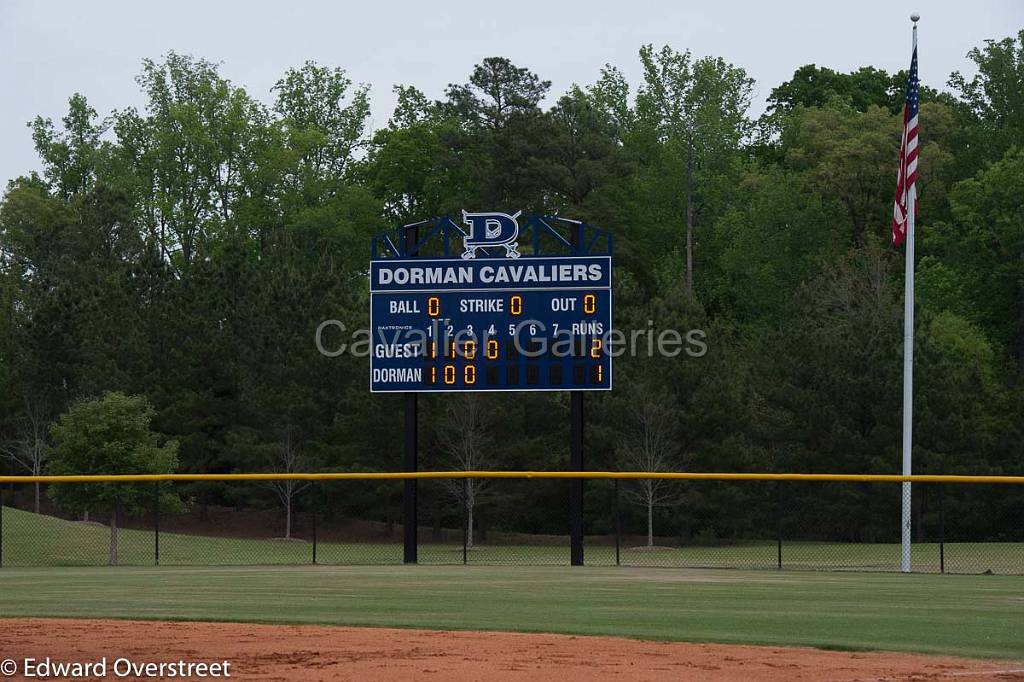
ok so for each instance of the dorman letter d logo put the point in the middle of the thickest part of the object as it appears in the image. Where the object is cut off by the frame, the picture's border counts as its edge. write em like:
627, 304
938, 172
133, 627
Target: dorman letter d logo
491, 229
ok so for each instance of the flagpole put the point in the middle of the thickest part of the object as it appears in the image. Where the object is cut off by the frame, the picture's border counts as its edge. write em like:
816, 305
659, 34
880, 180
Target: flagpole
908, 362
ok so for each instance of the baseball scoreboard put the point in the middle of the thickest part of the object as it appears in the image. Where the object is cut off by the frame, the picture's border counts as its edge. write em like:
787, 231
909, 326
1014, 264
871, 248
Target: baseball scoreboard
527, 323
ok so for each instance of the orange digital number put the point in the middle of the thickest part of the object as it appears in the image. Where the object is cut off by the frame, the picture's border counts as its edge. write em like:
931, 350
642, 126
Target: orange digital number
449, 374
595, 348
469, 350
515, 305
469, 375
433, 306
492, 349
589, 304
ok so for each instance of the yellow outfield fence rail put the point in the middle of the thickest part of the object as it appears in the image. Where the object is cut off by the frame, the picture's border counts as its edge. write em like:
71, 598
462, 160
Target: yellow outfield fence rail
598, 475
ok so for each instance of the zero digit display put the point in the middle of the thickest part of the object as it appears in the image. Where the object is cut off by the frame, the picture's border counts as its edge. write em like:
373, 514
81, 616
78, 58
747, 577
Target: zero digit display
490, 324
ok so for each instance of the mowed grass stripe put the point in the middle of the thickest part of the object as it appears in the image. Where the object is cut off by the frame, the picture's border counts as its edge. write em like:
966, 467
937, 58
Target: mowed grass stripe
979, 616
33, 540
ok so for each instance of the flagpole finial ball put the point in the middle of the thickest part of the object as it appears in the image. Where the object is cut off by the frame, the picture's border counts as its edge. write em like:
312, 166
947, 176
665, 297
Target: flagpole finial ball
915, 17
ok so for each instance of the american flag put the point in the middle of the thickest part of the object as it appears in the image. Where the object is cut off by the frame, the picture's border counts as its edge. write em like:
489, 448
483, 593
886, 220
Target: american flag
906, 177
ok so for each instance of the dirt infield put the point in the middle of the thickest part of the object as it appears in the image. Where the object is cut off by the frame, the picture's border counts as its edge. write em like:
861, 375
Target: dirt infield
274, 652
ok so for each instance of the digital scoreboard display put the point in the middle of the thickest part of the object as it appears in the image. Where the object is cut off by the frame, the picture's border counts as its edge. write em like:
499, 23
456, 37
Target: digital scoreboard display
490, 324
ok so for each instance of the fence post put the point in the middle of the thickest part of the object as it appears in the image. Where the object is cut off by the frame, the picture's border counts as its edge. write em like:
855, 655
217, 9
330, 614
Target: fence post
1, 526
618, 524
314, 496
156, 523
465, 520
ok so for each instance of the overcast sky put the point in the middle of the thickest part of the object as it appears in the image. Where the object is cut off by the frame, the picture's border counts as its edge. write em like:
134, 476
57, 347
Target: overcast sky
48, 49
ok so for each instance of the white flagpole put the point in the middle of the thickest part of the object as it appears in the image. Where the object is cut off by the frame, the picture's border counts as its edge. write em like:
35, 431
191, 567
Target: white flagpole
908, 362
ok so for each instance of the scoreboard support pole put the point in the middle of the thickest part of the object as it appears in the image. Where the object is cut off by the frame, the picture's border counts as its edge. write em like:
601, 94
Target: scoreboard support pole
576, 454
410, 457
576, 484
410, 452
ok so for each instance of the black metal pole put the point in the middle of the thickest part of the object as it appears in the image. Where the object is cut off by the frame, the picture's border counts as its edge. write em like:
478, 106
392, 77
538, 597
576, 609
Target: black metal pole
576, 484
156, 523
410, 451
1, 527
410, 456
576, 455
618, 525
314, 496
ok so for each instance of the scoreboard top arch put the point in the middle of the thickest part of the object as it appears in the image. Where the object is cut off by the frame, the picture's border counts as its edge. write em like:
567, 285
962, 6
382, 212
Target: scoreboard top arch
499, 303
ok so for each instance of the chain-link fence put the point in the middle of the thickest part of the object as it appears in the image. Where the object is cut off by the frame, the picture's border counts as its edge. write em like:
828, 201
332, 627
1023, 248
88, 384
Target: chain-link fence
841, 525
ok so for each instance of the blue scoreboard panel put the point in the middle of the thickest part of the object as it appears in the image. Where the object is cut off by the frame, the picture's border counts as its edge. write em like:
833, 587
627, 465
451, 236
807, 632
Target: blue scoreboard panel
490, 324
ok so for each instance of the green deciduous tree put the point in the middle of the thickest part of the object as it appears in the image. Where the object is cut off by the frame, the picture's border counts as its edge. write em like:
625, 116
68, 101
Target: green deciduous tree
325, 120
846, 156
71, 157
110, 435
995, 95
815, 86
975, 262
408, 165
691, 116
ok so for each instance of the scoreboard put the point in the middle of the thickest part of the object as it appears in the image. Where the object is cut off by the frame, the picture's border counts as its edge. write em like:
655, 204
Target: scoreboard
490, 324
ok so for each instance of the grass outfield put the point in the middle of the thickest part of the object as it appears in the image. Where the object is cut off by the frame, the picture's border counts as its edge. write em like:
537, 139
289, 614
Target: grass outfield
977, 616
33, 540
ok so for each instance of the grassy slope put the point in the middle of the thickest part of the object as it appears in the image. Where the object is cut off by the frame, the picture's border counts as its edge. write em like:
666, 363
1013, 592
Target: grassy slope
32, 540
981, 616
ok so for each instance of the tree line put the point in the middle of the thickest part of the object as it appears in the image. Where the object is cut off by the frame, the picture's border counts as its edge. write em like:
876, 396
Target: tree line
187, 251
